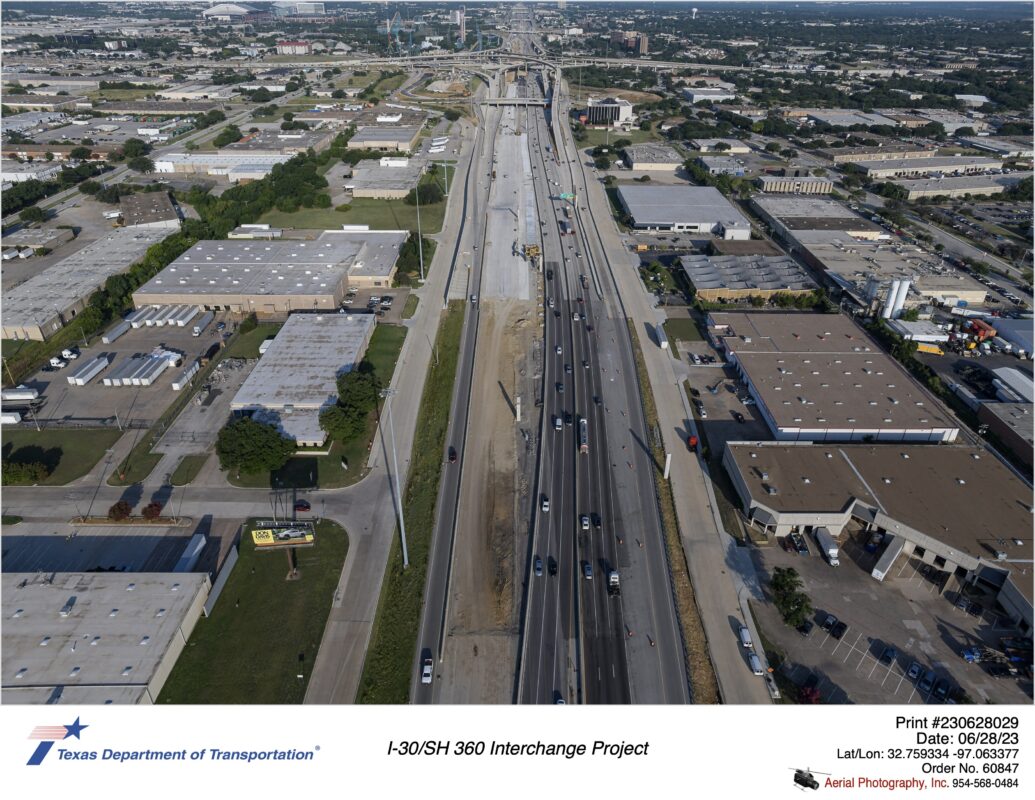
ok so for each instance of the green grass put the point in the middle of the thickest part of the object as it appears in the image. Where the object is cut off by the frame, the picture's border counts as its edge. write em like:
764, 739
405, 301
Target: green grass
10, 519
249, 650
135, 468
188, 468
389, 662
69, 454
659, 278
597, 136
246, 345
682, 329
411, 306
307, 471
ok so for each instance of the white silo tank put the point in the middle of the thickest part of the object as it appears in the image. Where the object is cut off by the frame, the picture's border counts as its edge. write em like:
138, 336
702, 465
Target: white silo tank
900, 301
889, 301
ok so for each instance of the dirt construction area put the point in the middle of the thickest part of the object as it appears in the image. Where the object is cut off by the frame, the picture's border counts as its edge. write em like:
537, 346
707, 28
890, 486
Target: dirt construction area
492, 525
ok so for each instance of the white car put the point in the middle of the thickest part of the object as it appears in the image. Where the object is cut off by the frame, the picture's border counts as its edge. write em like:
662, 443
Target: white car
557, 350
427, 671
546, 504
584, 522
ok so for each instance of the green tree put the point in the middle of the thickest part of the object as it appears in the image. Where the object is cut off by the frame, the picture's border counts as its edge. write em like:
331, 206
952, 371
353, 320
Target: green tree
120, 511
24, 473
792, 603
152, 510
721, 146
430, 193
141, 164
134, 148
80, 154
229, 135
250, 446
32, 214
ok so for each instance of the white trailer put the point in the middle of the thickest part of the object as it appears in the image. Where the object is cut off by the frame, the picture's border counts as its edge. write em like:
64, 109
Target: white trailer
164, 316
88, 371
185, 316
662, 338
828, 545
182, 380
139, 313
115, 332
204, 322
141, 320
20, 393
10, 418
892, 550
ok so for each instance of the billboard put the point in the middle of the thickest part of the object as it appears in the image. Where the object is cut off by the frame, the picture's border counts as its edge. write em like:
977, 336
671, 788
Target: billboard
293, 535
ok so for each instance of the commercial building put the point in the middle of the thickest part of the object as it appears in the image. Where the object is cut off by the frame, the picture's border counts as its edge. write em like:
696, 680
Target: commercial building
720, 279
42, 305
198, 91
652, 158
12, 171
721, 165
788, 216
53, 83
1004, 148
961, 186
698, 94
972, 100
732, 146
233, 13
236, 166
696, 209
157, 107
274, 278
296, 377
608, 111
271, 142
947, 165
955, 508
385, 179
952, 121
819, 377
93, 638
60, 152
886, 152
1011, 424
400, 138
35, 238
779, 184
31, 121
46, 102
149, 210
846, 118
919, 331
294, 48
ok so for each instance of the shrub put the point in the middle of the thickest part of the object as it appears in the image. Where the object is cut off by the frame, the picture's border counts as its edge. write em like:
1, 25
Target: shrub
120, 511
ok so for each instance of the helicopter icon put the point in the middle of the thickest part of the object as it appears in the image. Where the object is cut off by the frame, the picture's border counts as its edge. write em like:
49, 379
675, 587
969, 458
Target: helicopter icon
805, 779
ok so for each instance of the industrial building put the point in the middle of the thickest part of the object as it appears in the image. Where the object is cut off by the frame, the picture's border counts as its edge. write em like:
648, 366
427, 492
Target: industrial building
1011, 424
723, 279
93, 638
697, 94
886, 152
36, 238
270, 142
608, 111
46, 102
296, 47
236, 166
955, 508
819, 377
779, 184
149, 210
846, 118
400, 138
385, 179
296, 377
198, 91
157, 107
961, 186
696, 209
721, 165
918, 331
788, 216
946, 165
733, 146
43, 304
12, 171
1004, 148
31, 121
274, 278
652, 158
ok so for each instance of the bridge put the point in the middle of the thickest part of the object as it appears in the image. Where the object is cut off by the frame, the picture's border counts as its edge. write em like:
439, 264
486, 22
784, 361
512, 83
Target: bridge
514, 101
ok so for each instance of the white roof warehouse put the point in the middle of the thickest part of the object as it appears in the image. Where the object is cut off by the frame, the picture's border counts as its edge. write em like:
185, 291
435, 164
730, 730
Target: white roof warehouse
696, 209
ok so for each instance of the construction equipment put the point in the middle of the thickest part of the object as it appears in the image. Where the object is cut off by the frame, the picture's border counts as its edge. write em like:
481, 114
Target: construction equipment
930, 348
532, 251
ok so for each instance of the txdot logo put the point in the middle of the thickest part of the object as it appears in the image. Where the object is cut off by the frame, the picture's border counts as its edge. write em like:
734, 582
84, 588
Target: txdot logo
47, 735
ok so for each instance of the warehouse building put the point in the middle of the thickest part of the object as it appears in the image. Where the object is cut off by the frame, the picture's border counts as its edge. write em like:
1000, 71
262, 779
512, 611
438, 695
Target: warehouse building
149, 210
1011, 424
157, 107
819, 377
1004, 148
274, 278
236, 166
779, 184
42, 305
31, 121
12, 171
733, 146
724, 279
272, 142
961, 186
910, 167
93, 638
697, 94
788, 216
652, 158
721, 165
401, 138
198, 91
955, 508
46, 102
296, 378
846, 118
886, 152
696, 209
385, 179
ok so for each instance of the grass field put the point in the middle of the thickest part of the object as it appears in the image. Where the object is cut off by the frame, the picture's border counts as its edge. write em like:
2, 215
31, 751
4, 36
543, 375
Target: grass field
247, 344
326, 471
264, 630
389, 663
411, 306
69, 454
378, 214
682, 329
595, 136
188, 468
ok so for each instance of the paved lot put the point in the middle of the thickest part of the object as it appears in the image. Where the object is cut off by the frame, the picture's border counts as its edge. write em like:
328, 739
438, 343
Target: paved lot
359, 303
912, 610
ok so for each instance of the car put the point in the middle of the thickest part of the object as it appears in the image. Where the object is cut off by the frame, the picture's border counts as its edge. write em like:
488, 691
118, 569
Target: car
941, 688
545, 506
927, 682
221, 326
474, 299
560, 388
427, 671
452, 455
811, 682
558, 350
551, 565
738, 417
575, 316
915, 671
557, 422
549, 302
596, 399
829, 622
579, 299
800, 544
584, 522
585, 364
889, 655
567, 418
806, 628
567, 369
302, 505
549, 273
537, 567
839, 630
587, 570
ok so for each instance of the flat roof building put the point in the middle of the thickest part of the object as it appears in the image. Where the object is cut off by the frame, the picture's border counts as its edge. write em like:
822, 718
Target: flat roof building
957, 508
93, 638
733, 146
779, 184
12, 171
653, 158
1011, 423
721, 165
386, 179
158, 107
697, 209
296, 377
235, 166
45, 102
42, 305
948, 165
788, 216
952, 120
149, 210
32, 121
819, 377
846, 117
1004, 148
961, 186
401, 138
608, 111
731, 278
886, 152
697, 94
274, 278
269, 142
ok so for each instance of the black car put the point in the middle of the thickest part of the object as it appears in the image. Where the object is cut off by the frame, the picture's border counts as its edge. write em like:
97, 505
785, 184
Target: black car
839, 630
567, 418
800, 544
829, 622
738, 416
302, 505
560, 388
806, 627
811, 682
551, 565
889, 655
452, 455
549, 274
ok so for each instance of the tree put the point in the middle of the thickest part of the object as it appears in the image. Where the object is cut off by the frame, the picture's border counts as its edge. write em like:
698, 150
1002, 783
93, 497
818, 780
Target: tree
964, 131
24, 473
49, 156
90, 187
120, 511
32, 214
451, 114
721, 146
430, 193
141, 164
229, 135
134, 148
602, 162
792, 603
79, 154
251, 446
261, 95
772, 147
152, 510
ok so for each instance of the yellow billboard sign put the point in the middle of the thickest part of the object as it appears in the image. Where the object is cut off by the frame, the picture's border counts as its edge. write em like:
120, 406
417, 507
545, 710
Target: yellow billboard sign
280, 537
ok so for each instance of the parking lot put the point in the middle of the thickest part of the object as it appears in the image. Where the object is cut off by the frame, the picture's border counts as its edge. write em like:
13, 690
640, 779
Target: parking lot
96, 403
913, 610
360, 303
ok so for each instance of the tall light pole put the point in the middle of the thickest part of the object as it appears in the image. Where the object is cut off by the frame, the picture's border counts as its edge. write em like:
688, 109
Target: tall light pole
420, 238
387, 394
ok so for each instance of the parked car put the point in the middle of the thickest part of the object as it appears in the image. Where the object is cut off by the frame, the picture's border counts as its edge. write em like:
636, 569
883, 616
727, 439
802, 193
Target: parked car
927, 682
941, 689
839, 630
915, 671
806, 628
738, 416
787, 544
829, 622
889, 655
800, 544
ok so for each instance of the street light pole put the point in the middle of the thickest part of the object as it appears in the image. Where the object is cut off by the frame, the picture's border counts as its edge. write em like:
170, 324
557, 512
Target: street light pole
387, 394
420, 238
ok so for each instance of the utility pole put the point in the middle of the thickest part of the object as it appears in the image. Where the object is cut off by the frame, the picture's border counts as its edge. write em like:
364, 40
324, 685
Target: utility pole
420, 238
387, 394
